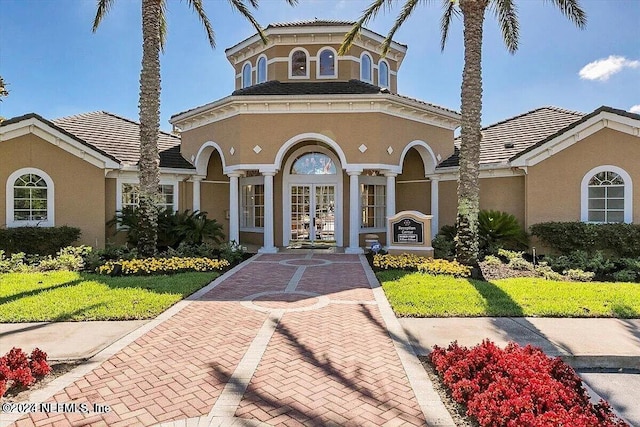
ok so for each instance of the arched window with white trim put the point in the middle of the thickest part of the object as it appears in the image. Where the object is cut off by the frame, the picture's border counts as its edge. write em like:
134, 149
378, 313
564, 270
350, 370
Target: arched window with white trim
607, 195
29, 198
299, 64
327, 63
246, 75
262, 70
366, 71
383, 73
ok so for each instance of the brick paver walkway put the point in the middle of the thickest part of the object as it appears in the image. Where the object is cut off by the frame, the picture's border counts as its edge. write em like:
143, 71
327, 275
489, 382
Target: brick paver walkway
288, 339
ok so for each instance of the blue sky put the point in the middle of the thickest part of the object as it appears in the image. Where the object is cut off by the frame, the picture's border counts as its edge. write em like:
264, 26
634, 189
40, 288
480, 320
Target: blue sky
56, 66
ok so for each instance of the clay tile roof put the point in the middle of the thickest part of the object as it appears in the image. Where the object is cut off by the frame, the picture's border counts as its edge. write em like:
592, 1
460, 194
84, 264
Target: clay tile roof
503, 140
119, 137
275, 87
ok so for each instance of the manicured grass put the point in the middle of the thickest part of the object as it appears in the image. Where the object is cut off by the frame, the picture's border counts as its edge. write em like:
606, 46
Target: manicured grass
420, 295
63, 295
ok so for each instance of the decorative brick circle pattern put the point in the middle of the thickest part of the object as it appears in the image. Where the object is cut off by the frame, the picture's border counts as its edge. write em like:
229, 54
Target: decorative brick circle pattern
333, 365
305, 262
288, 302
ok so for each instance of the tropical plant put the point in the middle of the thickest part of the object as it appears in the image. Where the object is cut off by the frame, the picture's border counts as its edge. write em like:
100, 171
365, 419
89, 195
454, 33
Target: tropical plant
472, 12
153, 40
498, 229
174, 228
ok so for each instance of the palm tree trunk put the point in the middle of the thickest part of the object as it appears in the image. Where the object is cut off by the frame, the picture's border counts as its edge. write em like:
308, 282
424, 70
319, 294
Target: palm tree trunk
470, 136
149, 166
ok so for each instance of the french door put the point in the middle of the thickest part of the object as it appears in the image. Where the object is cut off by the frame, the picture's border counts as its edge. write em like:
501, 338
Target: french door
313, 213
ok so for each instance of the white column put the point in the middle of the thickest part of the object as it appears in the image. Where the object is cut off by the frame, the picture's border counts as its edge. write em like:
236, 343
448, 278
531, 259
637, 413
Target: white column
268, 246
434, 206
354, 214
196, 192
234, 208
391, 199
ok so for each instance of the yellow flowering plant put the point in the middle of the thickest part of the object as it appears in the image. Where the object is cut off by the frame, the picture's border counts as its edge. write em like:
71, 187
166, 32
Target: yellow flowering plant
149, 266
422, 264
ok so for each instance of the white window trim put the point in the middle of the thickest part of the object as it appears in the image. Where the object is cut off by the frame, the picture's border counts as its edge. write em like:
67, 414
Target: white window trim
266, 68
628, 192
136, 181
372, 180
253, 180
362, 55
388, 74
242, 85
11, 223
335, 63
306, 52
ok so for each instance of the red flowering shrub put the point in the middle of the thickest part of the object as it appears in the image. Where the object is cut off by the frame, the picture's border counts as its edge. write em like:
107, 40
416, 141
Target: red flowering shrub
18, 370
518, 387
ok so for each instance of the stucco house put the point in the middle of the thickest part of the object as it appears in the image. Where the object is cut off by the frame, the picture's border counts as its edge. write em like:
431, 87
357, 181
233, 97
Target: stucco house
313, 147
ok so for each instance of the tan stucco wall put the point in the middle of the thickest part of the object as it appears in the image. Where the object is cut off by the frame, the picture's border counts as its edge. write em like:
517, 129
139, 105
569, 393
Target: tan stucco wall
503, 194
376, 130
348, 68
79, 187
214, 193
553, 185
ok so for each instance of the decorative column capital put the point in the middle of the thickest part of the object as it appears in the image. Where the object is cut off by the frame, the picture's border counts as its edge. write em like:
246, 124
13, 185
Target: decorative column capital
390, 174
234, 174
354, 172
196, 178
268, 173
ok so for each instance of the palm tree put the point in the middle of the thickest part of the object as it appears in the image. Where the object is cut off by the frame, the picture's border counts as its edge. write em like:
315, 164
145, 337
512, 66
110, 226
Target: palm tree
3, 89
153, 37
473, 13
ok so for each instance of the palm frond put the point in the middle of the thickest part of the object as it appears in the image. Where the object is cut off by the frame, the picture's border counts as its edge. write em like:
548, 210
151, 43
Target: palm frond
103, 8
246, 13
406, 11
507, 15
369, 13
197, 7
572, 10
450, 10
292, 2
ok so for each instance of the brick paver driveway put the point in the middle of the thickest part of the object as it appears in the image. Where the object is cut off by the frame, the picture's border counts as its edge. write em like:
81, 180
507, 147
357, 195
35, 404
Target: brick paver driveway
287, 339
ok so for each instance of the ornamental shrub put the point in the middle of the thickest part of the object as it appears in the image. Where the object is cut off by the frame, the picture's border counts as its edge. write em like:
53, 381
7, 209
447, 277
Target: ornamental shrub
578, 275
425, 265
619, 240
37, 240
518, 386
16, 369
625, 276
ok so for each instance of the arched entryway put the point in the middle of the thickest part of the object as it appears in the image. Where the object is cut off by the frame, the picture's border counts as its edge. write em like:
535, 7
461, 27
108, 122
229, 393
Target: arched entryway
312, 197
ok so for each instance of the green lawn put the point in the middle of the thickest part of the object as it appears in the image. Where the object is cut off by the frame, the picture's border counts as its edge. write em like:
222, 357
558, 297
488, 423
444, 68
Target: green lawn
63, 295
420, 295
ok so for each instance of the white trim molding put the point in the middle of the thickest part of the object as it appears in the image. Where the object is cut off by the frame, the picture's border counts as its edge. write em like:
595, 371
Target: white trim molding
426, 153
9, 199
201, 160
628, 191
132, 179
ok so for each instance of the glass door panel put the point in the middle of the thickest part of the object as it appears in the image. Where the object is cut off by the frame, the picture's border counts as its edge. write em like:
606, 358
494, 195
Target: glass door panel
325, 206
300, 213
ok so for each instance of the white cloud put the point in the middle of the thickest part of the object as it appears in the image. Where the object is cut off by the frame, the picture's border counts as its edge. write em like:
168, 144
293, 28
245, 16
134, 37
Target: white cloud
602, 69
635, 109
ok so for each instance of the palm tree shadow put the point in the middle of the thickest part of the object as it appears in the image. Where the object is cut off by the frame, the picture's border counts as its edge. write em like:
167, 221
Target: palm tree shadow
26, 294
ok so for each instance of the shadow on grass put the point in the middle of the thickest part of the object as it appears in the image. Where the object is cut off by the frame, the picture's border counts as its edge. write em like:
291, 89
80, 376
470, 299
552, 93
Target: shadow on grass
44, 323
497, 302
33, 292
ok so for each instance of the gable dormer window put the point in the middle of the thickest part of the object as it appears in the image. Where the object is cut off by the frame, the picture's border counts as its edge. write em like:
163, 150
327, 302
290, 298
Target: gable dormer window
383, 74
246, 75
262, 69
365, 68
299, 64
327, 63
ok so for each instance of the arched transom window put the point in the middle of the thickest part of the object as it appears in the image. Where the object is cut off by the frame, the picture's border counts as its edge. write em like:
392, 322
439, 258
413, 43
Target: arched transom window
606, 197
299, 64
327, 63
262, 70
313, 164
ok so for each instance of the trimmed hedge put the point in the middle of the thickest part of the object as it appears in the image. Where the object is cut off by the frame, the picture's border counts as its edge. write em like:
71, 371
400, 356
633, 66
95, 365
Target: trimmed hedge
620, 240
37, 240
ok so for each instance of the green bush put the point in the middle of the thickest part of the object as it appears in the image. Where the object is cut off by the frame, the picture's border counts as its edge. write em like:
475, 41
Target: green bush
619, 240
174, 228
498, 230
37, 240
578, 275
596, 263
443, 243
15, 263
232, 252
625, 276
